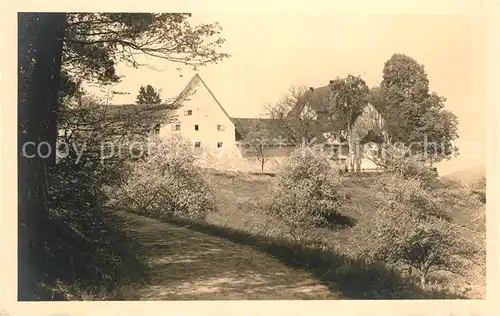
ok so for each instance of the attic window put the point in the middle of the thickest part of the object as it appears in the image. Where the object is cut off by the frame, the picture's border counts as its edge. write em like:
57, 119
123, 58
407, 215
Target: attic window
221, 128
176, 127
188, 113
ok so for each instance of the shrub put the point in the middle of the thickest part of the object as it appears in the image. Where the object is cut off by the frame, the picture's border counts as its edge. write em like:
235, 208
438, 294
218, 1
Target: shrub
305, 194
478, 189
85, 243
410, 231
167, 181
410, 166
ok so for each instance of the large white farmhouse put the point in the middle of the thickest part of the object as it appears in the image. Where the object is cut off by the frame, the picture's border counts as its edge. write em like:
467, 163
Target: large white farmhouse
199, 117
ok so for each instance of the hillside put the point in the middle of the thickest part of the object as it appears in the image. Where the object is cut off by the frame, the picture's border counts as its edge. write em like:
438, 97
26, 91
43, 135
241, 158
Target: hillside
466, 176
239, 195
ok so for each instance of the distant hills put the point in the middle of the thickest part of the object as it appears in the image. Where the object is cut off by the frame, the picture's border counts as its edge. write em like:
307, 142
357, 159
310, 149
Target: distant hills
465, 176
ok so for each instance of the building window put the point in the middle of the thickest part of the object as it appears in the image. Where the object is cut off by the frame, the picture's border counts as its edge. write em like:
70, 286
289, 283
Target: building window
156, 129
176, 127
220, 127
196, 127
219, 144
197, 144
188, 113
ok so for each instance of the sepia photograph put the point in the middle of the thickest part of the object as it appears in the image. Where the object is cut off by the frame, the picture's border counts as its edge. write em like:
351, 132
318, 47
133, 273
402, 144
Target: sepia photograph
295, 155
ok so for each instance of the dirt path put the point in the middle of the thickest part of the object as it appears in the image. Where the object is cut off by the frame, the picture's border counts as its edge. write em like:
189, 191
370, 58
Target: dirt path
189, 265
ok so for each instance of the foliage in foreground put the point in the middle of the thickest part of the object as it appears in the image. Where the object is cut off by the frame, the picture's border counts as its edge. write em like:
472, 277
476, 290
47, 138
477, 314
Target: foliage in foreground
166, 180
87, 246
412, 230
305, 194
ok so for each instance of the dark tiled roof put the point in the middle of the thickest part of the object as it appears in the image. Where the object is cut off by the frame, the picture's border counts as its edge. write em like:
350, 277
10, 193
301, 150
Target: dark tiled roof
244, 127
138, 117
318, 99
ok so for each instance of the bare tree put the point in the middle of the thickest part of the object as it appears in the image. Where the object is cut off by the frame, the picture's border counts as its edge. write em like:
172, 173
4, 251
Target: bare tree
296, 116
259, 142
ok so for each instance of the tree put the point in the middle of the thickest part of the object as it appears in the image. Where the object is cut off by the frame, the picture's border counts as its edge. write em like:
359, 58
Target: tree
296, 115
349, 96
148, 95
39, 64
259, 143
57, 52
415, 116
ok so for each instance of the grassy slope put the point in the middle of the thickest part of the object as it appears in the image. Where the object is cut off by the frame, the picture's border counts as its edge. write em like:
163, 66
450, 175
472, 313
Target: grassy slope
238, 198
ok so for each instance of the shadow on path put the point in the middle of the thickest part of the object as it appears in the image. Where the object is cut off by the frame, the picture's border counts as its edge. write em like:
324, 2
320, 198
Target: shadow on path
189, 263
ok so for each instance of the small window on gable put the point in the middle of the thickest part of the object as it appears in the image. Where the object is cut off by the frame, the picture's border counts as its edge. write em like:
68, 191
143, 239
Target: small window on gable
219, 144
188, 112
197, 127
197, 144
176, 127
220, 127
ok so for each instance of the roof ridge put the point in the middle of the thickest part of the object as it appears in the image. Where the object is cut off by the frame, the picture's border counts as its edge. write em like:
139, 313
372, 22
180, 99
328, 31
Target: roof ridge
213, 96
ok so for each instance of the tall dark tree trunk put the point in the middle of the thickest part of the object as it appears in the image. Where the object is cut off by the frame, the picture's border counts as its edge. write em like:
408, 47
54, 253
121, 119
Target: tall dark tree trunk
40, 42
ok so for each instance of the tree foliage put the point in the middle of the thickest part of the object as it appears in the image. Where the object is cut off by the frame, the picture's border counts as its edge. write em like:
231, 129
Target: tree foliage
416, 116
148, 95
349, 96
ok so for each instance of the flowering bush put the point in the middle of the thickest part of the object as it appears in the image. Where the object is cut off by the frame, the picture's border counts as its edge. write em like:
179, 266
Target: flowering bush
410, 230
167, 181
400, 161
305, 193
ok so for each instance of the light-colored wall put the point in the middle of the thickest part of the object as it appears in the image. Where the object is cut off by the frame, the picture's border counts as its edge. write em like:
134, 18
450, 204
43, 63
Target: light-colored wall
207, 114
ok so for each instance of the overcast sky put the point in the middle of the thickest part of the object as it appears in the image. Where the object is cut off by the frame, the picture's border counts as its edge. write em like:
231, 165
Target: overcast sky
272, 51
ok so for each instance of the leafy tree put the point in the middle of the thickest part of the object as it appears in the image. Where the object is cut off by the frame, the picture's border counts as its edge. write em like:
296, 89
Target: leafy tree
306, 193
349, 96
148, 95
57, 52
414, 115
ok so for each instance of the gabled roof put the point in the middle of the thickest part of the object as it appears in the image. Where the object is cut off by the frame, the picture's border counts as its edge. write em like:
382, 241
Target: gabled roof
318, 99
188, 89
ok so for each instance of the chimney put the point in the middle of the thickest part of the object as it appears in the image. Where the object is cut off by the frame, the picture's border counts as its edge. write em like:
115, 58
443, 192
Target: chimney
311, 89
